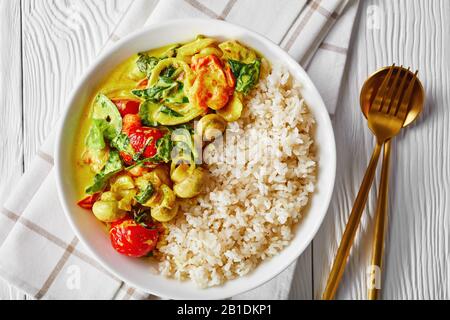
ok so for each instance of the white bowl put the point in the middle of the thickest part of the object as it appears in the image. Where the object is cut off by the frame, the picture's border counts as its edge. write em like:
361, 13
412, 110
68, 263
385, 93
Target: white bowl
139, 273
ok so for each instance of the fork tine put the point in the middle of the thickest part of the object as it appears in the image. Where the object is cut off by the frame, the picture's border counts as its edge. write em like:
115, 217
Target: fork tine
381, 93
406, 101
391, 93
400, 91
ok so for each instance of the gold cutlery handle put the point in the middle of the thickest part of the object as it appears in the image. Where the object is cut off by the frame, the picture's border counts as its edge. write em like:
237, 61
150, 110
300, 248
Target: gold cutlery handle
352, 226
380, 223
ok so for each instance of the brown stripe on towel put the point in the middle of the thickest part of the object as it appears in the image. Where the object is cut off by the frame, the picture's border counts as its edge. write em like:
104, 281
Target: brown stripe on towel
46, 157
200, 7
312, 7
332, 47
54, 239
57, 269
35, 228
323, 11
230, 4
10, 215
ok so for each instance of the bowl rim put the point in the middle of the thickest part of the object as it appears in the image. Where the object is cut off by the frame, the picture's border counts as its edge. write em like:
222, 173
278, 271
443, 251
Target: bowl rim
319, 107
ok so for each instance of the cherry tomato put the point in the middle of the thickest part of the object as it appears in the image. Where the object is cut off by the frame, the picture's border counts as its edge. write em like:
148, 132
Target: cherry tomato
213, 86
132, 239
144, 137
89, 201
129, 122
127, 106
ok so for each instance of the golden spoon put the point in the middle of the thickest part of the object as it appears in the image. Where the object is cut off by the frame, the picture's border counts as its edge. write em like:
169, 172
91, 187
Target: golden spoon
387, 114
381, 214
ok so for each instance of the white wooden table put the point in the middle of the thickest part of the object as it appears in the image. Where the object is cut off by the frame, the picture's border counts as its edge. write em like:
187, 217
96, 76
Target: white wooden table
45, 45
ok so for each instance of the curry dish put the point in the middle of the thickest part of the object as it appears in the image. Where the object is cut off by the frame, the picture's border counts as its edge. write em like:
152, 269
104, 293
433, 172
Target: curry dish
143, 133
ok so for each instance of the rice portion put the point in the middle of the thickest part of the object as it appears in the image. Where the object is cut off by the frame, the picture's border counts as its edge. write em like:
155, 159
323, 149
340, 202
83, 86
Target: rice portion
261, 178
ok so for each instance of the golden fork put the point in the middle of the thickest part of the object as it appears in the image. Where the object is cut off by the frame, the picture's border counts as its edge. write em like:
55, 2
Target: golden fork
386, 117
381, 212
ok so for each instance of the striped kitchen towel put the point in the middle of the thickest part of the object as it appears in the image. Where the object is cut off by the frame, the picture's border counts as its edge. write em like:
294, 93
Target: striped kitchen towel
40, 254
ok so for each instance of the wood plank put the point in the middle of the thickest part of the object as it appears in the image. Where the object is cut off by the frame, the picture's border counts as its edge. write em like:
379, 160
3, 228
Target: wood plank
60, 39
11, 105
413, 33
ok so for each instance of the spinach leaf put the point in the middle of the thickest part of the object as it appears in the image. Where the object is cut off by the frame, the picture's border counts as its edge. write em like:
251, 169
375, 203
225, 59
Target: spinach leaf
236, 67
158, 92
168, 72
164, 148
122, 144
247, 75
145, 194
166, 110
112, 166
146, 64
141, 215
163, 154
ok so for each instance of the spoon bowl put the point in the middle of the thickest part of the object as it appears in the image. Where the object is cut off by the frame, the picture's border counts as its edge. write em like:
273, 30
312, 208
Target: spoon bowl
373, 83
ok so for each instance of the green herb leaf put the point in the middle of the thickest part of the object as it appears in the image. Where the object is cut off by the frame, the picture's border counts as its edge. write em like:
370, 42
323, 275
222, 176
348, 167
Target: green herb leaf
158, 92
146, 63
122, 144
247, 75
112, 166
164, 148
144, 195
236, 67
141, 215
166, 110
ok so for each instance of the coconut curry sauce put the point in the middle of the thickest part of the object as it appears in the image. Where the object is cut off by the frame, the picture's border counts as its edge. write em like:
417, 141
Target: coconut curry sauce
136, 156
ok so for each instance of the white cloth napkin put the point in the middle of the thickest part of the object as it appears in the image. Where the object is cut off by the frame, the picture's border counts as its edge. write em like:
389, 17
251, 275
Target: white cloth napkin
40, 254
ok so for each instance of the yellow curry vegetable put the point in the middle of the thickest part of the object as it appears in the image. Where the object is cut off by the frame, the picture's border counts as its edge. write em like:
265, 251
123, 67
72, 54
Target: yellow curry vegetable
191, 186
210, 126
233, 110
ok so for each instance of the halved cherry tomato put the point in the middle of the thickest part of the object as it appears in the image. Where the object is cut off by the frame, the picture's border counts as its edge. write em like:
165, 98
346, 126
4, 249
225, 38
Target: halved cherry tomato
89, 201
144, 137
129, 122
132, 239
213, 86
127, 106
